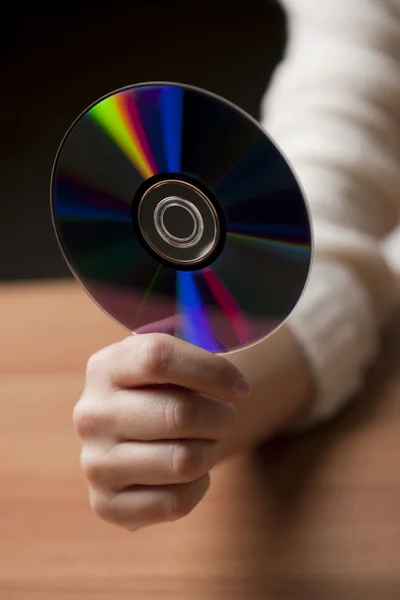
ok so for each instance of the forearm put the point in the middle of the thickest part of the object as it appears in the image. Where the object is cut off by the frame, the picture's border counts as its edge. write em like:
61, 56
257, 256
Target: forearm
334, 109
281, 385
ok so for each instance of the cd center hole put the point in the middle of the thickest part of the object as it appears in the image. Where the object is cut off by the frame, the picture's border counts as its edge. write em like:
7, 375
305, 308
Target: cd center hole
179, 222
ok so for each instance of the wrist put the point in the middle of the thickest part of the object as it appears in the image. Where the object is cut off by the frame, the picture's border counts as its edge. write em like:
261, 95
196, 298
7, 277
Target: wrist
281, 390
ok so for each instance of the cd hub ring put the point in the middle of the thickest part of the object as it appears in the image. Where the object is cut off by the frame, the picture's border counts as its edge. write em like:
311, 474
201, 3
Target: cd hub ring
180, 241
179, 224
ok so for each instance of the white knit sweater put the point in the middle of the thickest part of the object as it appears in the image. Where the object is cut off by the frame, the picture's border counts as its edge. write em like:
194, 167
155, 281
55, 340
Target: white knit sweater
334, 109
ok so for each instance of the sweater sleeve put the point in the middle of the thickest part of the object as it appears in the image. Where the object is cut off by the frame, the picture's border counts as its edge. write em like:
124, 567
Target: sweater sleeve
333, 108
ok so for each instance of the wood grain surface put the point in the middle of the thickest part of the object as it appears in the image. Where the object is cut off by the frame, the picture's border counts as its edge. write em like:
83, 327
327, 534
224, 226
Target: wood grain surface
314, 516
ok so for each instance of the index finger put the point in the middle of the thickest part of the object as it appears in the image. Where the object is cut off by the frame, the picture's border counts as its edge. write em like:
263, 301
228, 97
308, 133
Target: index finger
156, 359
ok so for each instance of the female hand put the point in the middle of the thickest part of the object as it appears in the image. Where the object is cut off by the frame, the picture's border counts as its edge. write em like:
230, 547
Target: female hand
152, 415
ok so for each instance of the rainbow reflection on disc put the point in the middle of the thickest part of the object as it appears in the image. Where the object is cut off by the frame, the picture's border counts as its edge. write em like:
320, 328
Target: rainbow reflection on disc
178, 214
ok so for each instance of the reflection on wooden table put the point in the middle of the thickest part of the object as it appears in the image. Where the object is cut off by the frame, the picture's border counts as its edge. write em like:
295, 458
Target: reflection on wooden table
310, 517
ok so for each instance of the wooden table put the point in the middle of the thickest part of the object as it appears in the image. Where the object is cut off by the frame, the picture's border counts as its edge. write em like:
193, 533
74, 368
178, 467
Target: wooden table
312, 517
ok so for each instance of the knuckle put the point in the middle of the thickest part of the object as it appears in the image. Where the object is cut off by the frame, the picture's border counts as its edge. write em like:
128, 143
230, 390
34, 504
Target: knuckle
83, 418
93, 466
155, 354
181, 415
96, 362
88, 418
187, 462
110, 508
102, 506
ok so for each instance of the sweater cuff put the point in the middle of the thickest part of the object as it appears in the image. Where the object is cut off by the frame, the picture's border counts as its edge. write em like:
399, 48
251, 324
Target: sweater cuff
335, 326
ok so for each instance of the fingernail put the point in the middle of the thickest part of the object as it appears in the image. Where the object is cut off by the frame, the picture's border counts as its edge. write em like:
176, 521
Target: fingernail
242, 388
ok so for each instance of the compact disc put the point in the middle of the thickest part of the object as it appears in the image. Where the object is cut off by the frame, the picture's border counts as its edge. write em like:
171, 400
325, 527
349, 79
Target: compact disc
178, 214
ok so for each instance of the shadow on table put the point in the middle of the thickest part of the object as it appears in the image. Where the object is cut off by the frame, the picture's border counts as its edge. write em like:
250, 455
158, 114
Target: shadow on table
286, 475
291, 460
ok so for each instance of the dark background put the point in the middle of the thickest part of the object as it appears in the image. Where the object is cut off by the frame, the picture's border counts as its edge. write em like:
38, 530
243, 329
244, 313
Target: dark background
55, 66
